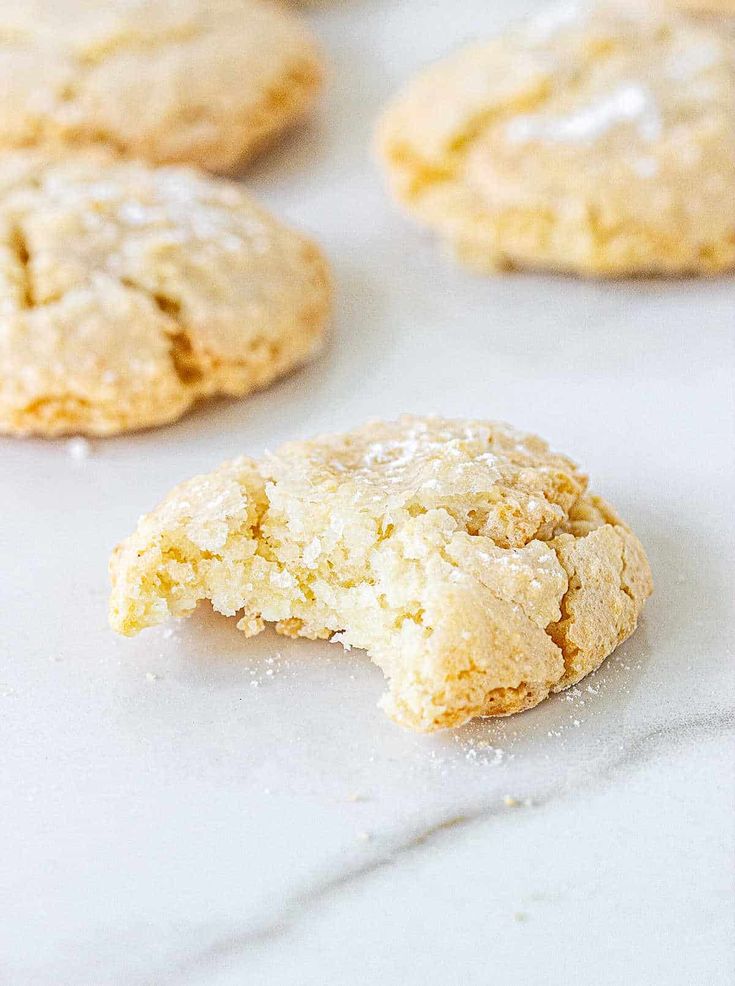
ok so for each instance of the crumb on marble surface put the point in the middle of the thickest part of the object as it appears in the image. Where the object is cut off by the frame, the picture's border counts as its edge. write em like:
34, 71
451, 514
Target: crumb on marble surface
79, 448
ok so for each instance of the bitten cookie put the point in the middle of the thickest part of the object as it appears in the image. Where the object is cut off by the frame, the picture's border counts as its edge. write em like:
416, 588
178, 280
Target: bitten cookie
201, 82
466, 558
596, 139
129, 292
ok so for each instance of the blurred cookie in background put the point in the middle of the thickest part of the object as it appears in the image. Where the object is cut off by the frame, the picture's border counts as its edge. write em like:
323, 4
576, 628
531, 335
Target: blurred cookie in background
706, 6
204, 82
596, 139
130, 292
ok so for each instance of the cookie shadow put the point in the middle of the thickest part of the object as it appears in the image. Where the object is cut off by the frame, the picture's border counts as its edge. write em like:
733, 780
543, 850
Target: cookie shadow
211, 652
649, 669
295, 153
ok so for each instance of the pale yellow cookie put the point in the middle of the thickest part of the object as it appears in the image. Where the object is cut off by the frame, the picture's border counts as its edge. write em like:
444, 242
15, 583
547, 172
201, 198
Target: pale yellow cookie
597, 139
706, 6
202, 82
128, 292
466, 558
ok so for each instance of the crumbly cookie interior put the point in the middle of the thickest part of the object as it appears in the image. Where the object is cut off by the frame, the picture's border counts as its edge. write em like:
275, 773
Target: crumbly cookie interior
466, 558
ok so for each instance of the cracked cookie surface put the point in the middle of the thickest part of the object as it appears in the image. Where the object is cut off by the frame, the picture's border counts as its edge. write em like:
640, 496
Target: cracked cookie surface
468, 559
596, 139
203, 82
129, 292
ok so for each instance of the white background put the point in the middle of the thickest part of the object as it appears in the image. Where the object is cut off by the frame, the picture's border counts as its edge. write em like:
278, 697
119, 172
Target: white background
194, 808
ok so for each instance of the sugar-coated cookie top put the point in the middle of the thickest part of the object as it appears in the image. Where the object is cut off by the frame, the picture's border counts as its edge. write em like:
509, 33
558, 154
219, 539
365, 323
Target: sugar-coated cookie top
397, 468
465, 557
597, 137
129, 291
190, 81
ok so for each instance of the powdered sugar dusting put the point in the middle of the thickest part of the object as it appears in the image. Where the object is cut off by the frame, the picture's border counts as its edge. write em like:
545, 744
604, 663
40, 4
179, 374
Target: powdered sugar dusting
434, 459
693, 59
79, 449
629, 103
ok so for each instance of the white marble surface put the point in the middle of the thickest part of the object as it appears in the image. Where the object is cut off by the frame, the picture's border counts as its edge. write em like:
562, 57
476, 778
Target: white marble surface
194, 809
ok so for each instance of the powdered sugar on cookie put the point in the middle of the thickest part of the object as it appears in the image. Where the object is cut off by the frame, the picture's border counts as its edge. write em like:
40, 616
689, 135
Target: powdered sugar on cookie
500, 581
536, 149
130, 292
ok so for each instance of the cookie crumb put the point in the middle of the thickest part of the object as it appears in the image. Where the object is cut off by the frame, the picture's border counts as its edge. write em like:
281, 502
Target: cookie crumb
510, 802
79, 448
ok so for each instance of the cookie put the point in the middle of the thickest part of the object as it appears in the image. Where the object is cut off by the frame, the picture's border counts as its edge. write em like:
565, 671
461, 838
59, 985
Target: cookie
596, 139
202, 82
128, 292
468, 559
707, 6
